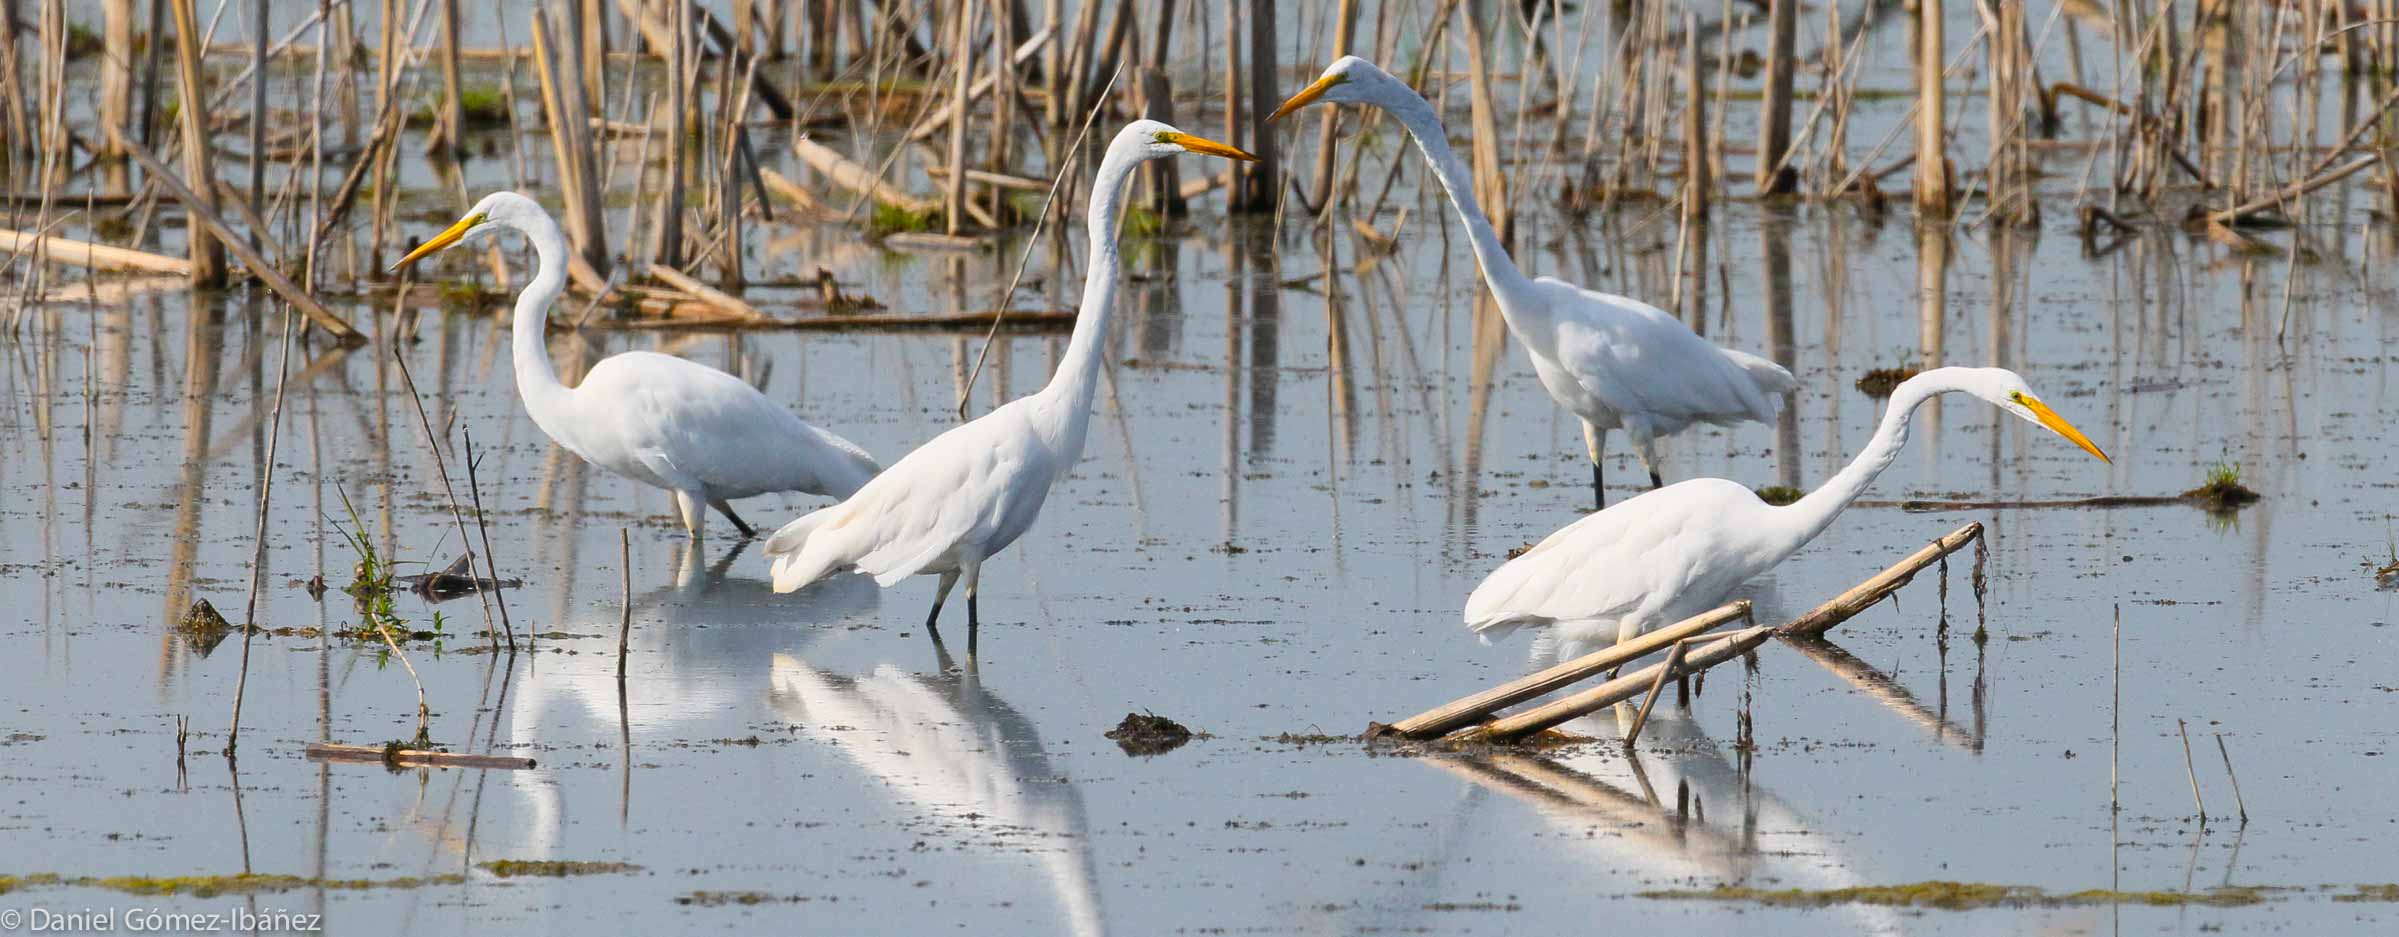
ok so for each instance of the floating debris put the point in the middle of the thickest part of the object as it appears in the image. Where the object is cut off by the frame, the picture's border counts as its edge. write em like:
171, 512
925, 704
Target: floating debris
1880, 382
418, 753
719, 899
455, 580
1149, 734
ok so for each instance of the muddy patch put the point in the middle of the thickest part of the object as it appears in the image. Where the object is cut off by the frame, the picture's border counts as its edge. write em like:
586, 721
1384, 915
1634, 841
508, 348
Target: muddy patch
1149, 734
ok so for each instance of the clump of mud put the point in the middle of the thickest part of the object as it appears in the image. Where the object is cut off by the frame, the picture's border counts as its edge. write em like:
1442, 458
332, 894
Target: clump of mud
1779, 495
203, 628
2223, 492
1149, 734
1880, 382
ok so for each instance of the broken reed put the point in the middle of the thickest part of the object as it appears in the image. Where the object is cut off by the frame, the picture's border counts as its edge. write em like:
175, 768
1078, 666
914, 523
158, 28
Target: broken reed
2157, 106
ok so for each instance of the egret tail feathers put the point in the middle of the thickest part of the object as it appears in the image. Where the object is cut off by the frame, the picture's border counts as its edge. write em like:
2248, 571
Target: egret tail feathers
1773, 380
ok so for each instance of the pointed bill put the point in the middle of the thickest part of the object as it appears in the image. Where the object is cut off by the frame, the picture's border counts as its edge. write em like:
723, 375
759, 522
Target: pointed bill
446, 238
1211, 147
2057, 424
1306, 96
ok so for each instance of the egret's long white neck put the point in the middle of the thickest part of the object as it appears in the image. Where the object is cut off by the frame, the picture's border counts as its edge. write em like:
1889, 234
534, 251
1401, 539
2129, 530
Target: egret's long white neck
1816, 511
1078, 372
1414, 112
536, 380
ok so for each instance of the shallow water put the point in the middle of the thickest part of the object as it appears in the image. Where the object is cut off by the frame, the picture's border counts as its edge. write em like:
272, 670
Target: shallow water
1284, 501
1293, 481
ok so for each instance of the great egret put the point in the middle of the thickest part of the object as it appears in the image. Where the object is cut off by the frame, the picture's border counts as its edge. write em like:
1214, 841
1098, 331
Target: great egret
669, 423
1615, 362
1665, 555
946, 507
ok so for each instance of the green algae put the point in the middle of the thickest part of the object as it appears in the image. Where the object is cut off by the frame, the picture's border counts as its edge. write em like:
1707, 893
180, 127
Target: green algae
1779, 495
1966, 896
210, 886
553, 868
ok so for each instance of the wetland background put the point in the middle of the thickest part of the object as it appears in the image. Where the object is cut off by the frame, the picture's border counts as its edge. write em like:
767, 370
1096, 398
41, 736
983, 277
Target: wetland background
1313, 440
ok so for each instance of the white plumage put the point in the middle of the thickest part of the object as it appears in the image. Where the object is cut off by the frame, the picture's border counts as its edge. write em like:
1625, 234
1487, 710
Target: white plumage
669, 423
1615, 362
1668, 554
970, 492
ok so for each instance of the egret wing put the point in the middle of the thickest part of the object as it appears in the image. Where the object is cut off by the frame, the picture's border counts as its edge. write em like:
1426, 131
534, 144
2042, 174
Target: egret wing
1640, 361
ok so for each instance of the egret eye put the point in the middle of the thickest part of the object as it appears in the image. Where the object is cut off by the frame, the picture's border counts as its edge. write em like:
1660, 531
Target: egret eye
1163, 136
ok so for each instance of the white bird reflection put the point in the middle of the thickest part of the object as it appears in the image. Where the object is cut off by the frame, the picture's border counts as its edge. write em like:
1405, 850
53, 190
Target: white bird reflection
1679, 811
697, 648
975, 764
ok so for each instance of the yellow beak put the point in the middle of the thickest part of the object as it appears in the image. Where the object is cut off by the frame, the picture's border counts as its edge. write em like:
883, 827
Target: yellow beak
1210, 147
446, 238
2057, 424
1307, 96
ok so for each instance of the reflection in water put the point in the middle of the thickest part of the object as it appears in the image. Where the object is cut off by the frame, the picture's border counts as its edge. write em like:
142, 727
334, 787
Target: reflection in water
974, 762
696, 646
1650, 810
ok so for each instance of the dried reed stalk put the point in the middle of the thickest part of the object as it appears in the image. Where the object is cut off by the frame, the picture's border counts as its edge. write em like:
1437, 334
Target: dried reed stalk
1445, 719
208, 259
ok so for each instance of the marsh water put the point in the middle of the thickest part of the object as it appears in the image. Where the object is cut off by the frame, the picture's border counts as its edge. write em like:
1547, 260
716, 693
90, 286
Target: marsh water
1304, 457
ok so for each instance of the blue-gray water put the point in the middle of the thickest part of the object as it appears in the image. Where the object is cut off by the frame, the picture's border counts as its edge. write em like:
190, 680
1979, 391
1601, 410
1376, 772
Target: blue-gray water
1291, 485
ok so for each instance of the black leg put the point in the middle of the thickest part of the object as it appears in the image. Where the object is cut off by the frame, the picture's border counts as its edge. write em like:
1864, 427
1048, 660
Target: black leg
933, 618
1655, 482
974, 623
726, 508
1599, 496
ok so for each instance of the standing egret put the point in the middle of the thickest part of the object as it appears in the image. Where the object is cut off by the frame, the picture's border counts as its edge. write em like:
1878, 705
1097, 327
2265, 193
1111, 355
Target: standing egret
669, 423
970, 492
1615, 362
1665, 555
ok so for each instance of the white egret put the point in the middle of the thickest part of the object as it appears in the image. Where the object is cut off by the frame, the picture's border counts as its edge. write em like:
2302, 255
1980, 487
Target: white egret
1664, 555
666, 422
970, 492
1615, 362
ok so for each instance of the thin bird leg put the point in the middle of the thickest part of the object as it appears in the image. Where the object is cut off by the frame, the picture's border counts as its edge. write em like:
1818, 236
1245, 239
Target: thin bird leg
694, 512
974, 617
1647, 448
941, 593
1595, 440
726, 508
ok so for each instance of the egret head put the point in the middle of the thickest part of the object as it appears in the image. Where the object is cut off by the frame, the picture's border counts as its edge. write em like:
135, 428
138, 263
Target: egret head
2006, 390
1150, 139
497, 210
1349, 80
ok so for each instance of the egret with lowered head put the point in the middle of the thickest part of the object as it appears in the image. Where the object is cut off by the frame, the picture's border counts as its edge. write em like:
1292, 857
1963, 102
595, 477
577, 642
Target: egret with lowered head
1615, 362
1665, 555
669, 423
970, 492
